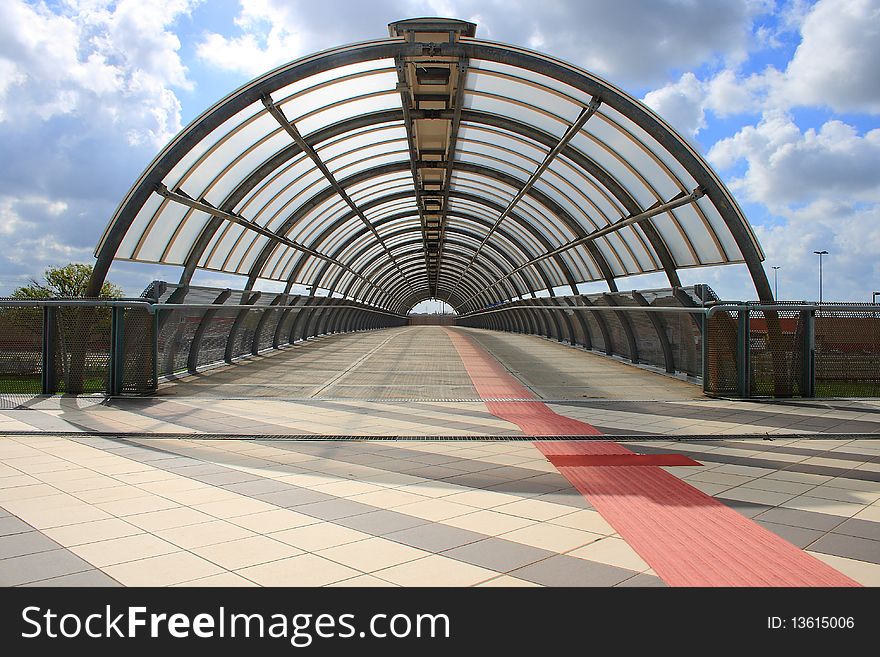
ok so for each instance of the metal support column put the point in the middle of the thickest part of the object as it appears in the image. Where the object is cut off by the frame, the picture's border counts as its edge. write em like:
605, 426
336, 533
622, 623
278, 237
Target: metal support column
49, 378
117, 350
808, 382
743, 353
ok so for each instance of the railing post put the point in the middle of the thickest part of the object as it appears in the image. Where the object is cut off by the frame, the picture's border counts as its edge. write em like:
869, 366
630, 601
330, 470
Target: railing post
155, 347
49, 379
743, 353
808, 381
705, 323
117, 350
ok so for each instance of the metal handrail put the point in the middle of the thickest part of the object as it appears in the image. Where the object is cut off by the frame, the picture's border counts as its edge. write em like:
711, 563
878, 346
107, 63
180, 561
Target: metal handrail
153, 307
707, 311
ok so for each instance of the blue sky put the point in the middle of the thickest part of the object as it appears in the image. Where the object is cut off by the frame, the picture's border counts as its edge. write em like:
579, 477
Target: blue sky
783, 98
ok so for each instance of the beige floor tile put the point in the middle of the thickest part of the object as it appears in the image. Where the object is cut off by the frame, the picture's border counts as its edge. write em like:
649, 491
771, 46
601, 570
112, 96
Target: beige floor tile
779, 486
866, 574
302, 570
168, 518
482, 499
29, 492
90, 532
312, 538
799, 477
164, 570
611, 551
137, 505
388, 499
112, 494
362, 581
201, 495
223, 579
819, 505
508, 582
757, 496
60, 517
205, 533
372, 554
534, 509
244, 552
233, 508
436, 570
173, 485
845, 495
855, 484
551, 537
586, 520
121, 550
871, 513
489, 522
275, 520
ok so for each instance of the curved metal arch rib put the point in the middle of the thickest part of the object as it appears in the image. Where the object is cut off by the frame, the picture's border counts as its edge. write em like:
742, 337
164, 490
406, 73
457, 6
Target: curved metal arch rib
470, 49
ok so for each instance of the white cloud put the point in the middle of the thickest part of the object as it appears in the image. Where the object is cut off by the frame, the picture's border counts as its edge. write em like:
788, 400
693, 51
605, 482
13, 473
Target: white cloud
102, 62
786, 167
836, 63
681, 103
684, 103
626, 40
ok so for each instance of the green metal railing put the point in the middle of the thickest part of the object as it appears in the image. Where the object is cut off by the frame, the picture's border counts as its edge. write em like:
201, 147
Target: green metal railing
740, 350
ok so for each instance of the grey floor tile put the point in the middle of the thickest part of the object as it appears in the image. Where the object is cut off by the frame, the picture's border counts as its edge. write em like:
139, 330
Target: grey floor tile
94, 578
335, 509
294, 496
860, 528
44, 565
642, 580
16, 545
257, 487
851, 547
563, 570
379, 523
569, 497
12, 525
748, 509
220, 478
798, 536
797, 518
435, 537
498, 554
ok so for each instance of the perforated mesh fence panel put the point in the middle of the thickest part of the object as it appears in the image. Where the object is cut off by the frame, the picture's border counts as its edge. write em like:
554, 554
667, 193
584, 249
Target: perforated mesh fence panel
721, 376
139, 353
777, 346
671, 341
847, 362
82, 349
21, 350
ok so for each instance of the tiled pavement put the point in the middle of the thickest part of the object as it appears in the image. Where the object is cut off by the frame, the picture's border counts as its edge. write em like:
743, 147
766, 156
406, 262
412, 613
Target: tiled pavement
91, 510
131, 509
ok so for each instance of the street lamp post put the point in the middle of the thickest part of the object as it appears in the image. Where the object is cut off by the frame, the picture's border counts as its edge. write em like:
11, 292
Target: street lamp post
820, 254
776, 282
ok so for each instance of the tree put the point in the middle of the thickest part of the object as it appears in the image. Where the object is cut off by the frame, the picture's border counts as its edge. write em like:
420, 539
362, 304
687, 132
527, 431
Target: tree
69, 281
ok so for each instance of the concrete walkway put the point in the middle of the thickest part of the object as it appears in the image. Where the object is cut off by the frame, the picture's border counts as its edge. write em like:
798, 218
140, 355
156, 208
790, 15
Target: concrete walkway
411, 382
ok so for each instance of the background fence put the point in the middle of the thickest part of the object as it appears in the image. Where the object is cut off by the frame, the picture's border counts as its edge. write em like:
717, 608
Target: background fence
737, 350
126, 346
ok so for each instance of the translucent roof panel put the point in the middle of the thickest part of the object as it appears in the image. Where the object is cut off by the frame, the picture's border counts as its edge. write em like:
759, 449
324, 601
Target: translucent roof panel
305, 175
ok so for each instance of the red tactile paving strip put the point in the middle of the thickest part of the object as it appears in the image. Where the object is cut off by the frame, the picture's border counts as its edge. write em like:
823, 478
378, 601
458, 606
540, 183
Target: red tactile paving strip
630, 460
490, 379
686, 536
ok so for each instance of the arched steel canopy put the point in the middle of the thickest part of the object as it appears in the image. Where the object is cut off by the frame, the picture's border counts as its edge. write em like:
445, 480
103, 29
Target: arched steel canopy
430, 164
